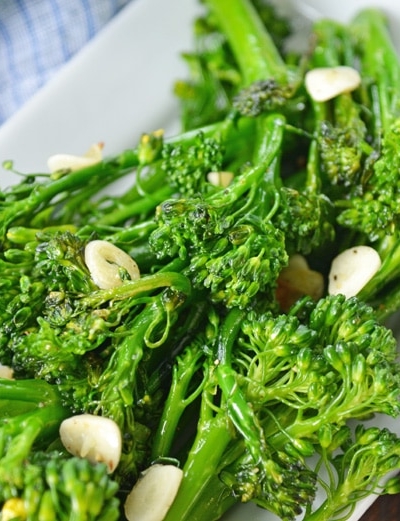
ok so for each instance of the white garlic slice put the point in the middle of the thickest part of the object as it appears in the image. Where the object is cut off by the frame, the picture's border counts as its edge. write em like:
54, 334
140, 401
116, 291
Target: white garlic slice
104, 261
95, 438
6, 372
325, 83
352, 269
13, 508
153, 494
222, 179
70, 162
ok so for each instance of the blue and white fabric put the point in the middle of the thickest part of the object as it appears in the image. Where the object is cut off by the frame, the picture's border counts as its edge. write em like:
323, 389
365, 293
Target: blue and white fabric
38, 36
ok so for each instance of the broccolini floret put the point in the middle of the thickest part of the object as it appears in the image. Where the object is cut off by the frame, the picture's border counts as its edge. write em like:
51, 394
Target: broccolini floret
56, 486
371, 210
305, 374
350, 478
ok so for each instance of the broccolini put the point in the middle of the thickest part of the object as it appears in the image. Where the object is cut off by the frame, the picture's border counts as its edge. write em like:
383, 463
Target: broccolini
216, 357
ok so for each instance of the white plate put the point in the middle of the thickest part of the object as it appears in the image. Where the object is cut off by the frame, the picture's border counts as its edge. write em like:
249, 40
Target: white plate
116, 88
119, 86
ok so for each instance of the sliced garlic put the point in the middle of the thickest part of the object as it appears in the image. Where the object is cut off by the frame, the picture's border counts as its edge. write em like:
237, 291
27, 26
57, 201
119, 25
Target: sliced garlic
104, 261
70, 162
153, 494
352, 269
297, 280
222, 179
95, 438
13, 508
6, 372
298, 261
325, 83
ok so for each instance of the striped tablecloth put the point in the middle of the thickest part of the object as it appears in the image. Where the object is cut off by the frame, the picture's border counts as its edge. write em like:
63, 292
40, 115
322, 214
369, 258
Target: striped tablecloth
38, 36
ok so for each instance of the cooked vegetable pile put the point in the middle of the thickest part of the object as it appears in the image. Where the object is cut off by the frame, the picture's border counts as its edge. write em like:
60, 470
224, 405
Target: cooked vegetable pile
217, 333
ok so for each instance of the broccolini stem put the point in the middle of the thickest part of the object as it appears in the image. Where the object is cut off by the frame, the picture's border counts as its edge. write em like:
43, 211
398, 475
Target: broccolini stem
253, 47
197, 491
130, 234
239, 411
195, 499
116, 385
270, 130
379, 60
85, 177
179, 398
37, 392
334, 46
143, 205
389, 251
387, 304
39, 426
330, 508
136, 288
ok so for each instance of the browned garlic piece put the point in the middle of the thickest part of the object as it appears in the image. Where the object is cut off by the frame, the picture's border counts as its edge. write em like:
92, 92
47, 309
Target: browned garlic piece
297, 280
105, 260
6, 372
222, 179
153, 494
352, 269
325, 83
70, 162
95, 438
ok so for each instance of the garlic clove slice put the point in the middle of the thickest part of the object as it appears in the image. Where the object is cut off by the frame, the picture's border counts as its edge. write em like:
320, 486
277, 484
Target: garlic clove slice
70, 162
297, 280
325, 83
13, 508
222, 179
104, 261
298, 261
95, 438
6, 372
153, 494
352, 269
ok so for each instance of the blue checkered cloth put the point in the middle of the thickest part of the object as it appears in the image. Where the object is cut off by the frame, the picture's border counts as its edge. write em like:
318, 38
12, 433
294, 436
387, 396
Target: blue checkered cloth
38, 36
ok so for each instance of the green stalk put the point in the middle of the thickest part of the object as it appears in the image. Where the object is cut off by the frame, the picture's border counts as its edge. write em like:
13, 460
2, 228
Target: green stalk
37, 426
197, 490
389, 251
117, 384
237, 406
387, 304
253, 47
269, 135
331, 508
143, 205
131, 234
137, 288
29, 391
379, 62
214, 434
43, 193
179, 398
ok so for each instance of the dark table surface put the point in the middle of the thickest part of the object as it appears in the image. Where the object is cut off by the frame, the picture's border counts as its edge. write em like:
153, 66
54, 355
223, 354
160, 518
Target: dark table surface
385, 508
